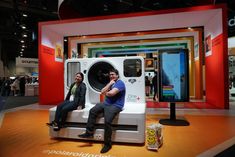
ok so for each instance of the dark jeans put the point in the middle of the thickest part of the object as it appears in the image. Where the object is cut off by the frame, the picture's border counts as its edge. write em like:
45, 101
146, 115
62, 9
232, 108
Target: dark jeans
109, 113
62, 111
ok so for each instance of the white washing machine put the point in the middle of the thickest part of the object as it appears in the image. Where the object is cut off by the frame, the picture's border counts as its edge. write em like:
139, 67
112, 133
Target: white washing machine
129, 125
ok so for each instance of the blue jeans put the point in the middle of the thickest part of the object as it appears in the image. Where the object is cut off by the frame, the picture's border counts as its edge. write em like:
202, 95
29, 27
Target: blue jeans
62, 111
109, 113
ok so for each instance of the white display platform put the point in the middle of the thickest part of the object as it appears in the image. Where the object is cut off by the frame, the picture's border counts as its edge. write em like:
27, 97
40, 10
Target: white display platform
129, 124
31, 89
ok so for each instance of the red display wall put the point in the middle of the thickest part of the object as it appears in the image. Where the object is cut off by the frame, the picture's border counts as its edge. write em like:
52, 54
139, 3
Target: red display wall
51, 77
198, 71
215, 75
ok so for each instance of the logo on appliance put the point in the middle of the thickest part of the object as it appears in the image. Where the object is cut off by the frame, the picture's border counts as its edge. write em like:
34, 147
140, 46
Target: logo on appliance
132, 98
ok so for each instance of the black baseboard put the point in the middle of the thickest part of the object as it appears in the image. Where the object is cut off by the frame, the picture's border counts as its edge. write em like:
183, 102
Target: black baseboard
227, 152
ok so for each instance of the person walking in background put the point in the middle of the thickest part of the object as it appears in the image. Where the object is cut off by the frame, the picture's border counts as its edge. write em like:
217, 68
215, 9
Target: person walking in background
6, 88
15, 87
155, 86
22, 86
75, 99
150, 78
147, 86
114, 93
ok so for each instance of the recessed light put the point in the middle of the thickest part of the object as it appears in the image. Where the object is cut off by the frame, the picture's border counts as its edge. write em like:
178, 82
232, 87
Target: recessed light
23, 27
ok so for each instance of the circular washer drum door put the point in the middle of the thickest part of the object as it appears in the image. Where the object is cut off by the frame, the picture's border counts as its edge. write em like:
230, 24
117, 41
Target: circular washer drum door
98, 75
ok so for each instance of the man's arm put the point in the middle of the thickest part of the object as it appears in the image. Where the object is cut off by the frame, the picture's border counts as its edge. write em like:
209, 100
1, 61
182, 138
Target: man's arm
108, 92
107, 87
112, 92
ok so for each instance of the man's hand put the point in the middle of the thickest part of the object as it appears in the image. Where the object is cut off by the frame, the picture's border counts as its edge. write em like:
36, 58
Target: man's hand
107, 87
111, 82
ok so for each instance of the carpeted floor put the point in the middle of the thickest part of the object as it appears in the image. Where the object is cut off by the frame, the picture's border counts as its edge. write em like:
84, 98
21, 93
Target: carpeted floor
227, 152
24, 133
16, 101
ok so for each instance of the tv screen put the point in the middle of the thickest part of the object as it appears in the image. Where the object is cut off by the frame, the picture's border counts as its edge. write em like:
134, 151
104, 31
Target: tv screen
173, 75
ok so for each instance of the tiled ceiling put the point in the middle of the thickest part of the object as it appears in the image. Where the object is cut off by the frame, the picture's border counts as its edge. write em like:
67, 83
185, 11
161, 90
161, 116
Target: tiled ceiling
12, 19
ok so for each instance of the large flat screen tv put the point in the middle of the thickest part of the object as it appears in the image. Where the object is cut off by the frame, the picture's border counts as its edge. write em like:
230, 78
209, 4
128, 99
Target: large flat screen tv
173, 75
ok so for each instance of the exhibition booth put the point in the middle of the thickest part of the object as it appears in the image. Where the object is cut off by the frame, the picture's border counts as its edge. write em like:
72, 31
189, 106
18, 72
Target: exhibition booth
189, 45
204, 25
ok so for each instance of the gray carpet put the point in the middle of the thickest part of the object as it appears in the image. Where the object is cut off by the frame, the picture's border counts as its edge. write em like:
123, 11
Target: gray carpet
16, 101
227, 152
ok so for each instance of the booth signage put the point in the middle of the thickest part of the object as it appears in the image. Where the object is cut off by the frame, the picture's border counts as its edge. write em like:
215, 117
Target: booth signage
26, 62
231, 24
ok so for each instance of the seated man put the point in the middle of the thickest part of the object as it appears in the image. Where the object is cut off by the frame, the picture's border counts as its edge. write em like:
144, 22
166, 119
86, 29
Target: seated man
115, 92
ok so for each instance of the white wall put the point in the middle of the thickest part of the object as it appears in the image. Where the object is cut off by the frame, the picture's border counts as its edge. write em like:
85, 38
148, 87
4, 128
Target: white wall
231, 42
50, 38
213, 26
134, 24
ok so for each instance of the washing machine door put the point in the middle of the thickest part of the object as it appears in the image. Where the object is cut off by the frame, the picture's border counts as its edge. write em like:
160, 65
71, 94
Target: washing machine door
98, 75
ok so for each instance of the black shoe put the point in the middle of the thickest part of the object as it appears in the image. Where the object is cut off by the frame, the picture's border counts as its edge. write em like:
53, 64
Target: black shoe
86, 135
53, 123
105, 149
49, 124
56, 128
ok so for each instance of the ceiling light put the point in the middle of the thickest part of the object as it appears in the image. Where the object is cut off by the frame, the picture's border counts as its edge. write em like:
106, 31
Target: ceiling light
23, 27
25, 15
23, 46
65, 40
25, 35
22, 49
21, 52
22, 41
190, 28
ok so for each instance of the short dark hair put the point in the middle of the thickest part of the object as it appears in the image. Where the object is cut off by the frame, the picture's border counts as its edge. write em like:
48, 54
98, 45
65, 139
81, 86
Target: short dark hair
81, 74
115, 71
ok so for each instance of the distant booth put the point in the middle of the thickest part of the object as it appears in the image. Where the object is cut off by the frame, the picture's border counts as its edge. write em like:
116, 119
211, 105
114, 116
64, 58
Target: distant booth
28, 67
202, 30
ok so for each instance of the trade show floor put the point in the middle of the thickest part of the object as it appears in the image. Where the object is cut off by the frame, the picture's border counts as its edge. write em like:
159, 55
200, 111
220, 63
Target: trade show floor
23, 133
16, 101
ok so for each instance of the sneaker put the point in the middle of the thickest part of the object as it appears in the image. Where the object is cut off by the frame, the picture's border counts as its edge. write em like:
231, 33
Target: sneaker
105, 149
86, 135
